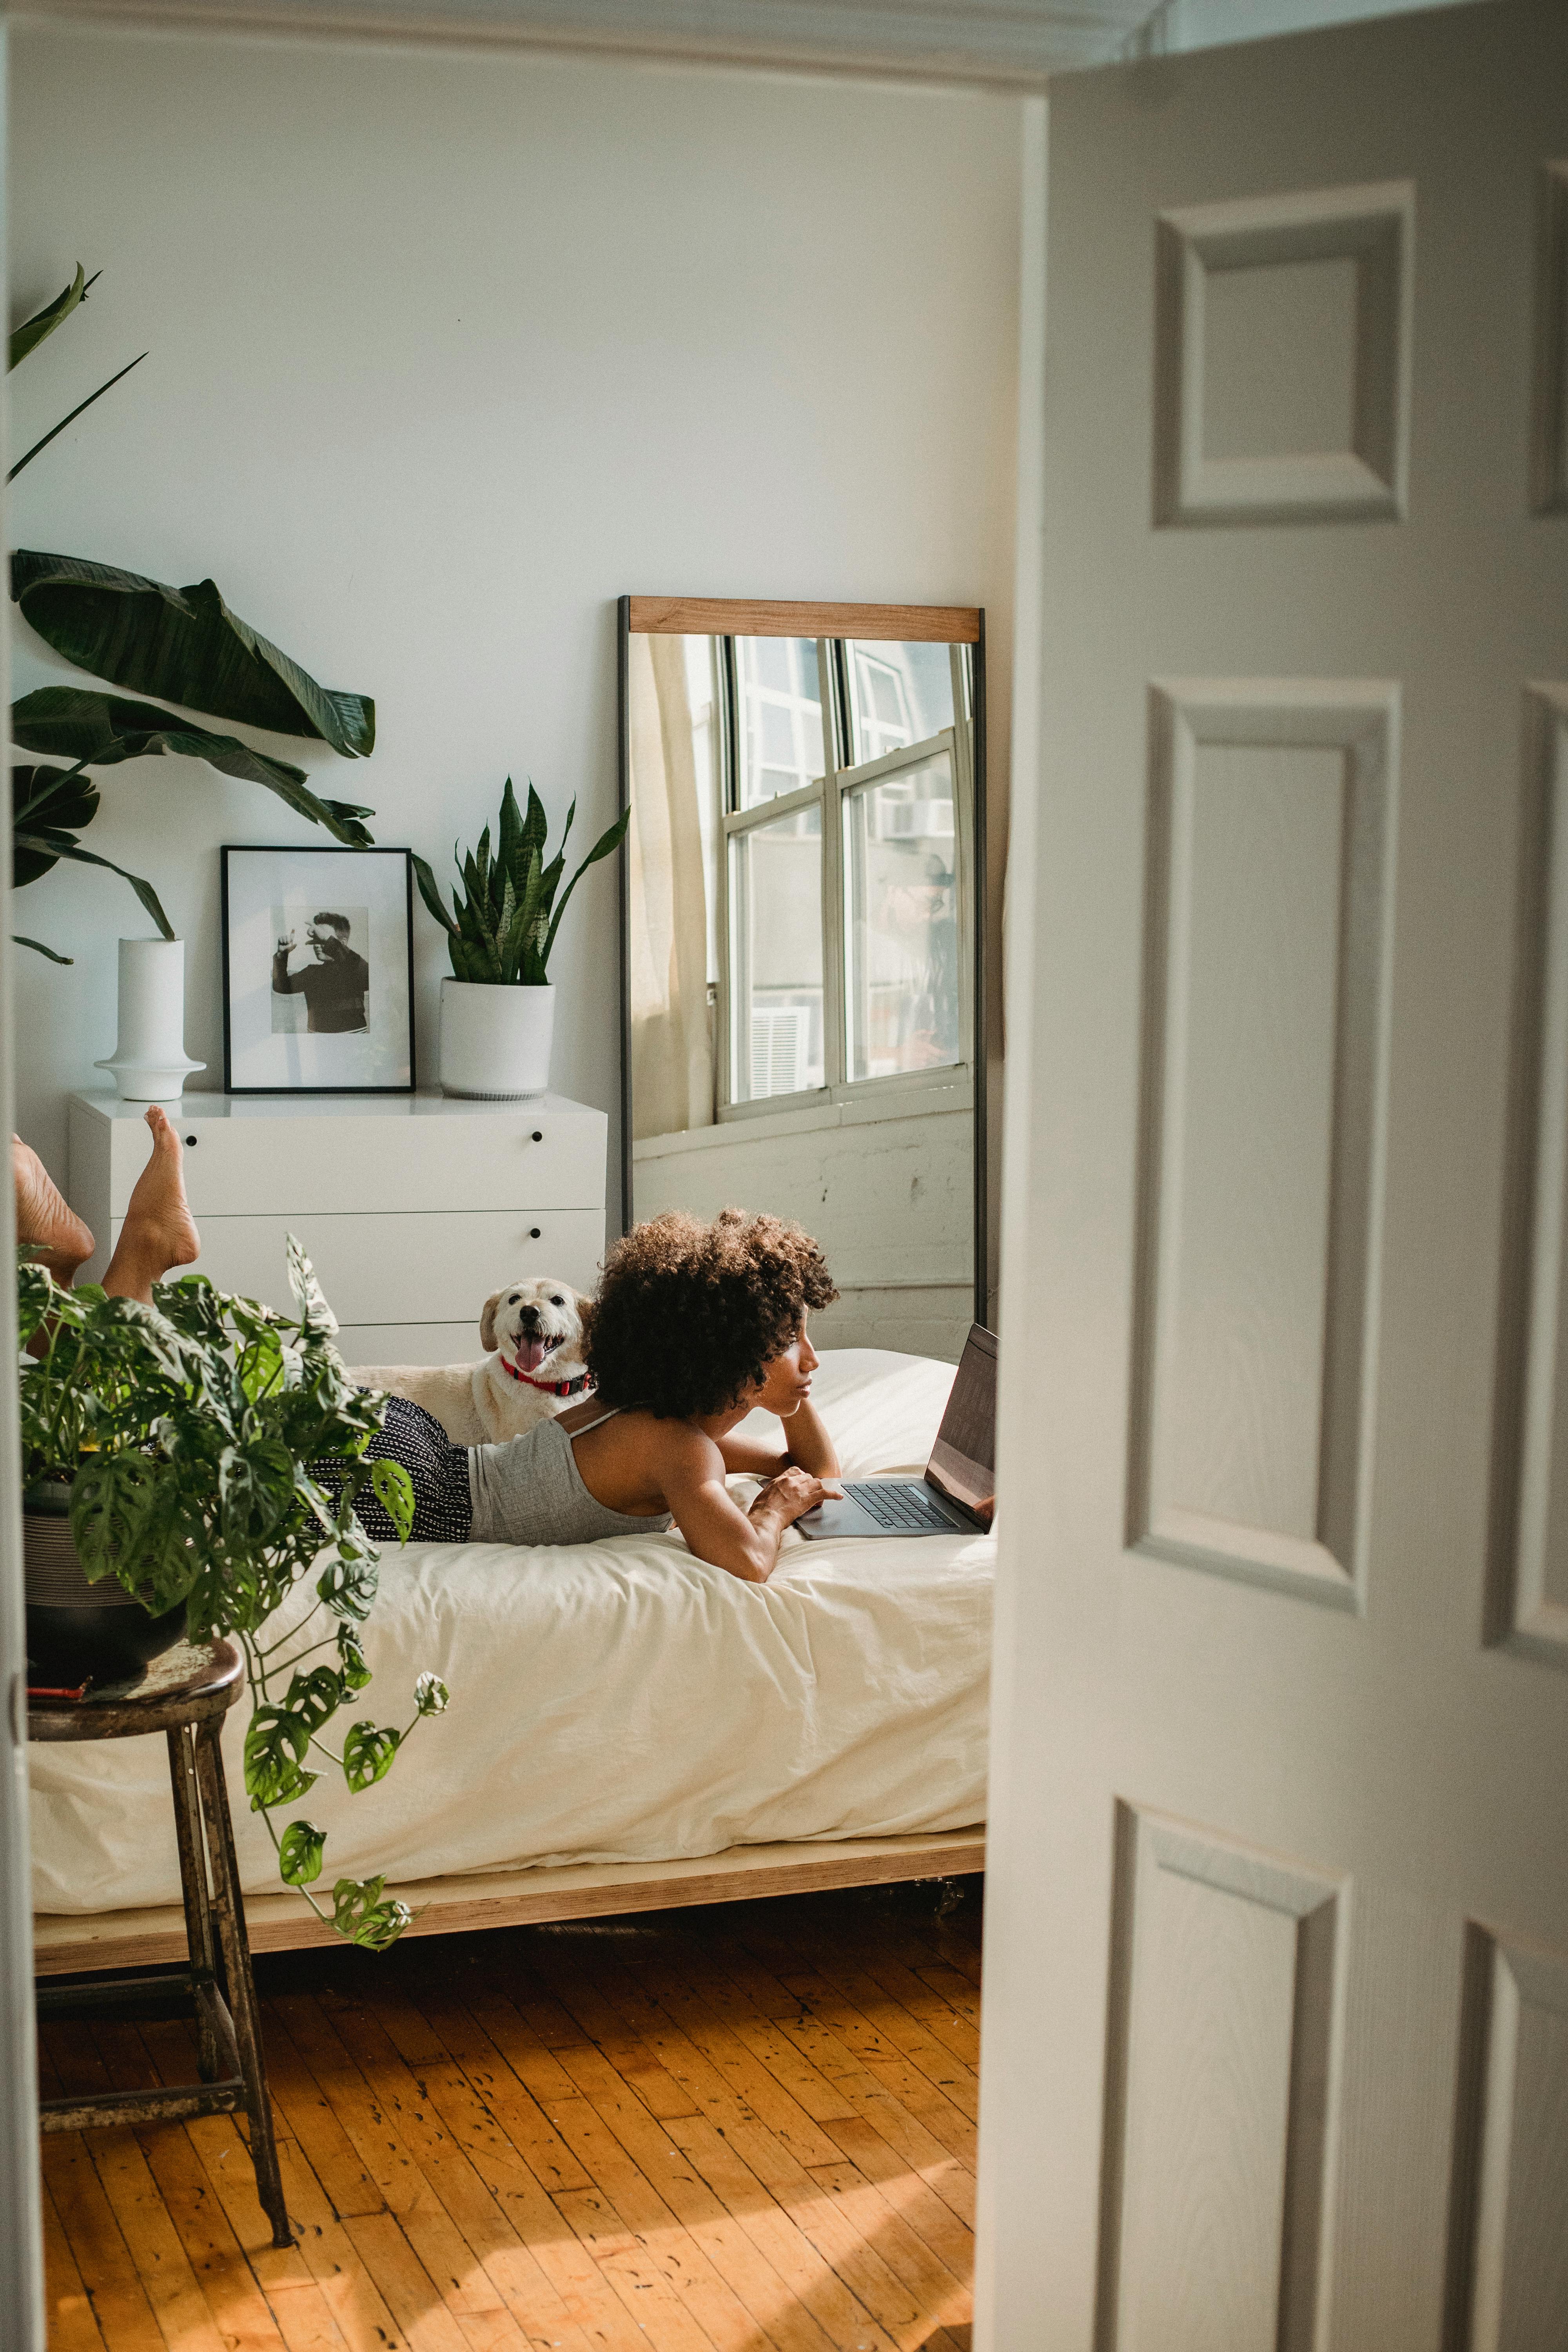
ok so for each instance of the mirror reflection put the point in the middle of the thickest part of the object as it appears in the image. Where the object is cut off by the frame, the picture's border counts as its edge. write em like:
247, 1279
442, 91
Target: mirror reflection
803, 941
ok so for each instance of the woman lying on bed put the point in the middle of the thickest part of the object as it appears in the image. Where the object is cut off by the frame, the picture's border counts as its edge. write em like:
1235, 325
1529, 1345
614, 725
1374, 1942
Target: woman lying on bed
694, 1326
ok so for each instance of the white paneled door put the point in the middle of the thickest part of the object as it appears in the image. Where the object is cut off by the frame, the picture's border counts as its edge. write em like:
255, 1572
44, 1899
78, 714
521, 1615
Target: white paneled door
1277, 1964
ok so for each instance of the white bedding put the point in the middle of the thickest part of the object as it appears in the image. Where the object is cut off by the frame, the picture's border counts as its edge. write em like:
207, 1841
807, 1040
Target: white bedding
612, 1702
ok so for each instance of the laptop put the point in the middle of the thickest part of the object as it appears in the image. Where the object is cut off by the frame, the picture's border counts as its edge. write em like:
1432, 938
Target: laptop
957, 1492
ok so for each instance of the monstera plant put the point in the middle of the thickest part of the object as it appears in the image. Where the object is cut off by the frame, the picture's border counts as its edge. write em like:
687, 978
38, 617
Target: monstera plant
183, 643
209, 1452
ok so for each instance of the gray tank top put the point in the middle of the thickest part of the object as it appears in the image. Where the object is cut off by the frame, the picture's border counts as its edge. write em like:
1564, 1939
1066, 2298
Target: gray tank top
530, 1491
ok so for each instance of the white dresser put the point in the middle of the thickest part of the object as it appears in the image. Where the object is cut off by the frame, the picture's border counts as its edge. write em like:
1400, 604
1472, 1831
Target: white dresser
413, 1208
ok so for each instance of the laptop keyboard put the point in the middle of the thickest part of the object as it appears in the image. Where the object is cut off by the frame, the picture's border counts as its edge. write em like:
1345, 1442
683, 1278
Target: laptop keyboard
896, 1506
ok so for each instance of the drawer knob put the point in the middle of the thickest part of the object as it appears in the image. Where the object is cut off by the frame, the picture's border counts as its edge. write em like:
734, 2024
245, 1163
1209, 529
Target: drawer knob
538, 1136
192, 1140
533, 1232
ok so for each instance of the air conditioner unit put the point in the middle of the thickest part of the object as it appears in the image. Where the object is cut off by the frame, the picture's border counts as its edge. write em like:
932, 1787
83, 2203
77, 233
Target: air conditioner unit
781, 1038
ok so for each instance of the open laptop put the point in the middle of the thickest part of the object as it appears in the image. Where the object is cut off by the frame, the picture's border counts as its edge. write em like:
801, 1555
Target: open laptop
958, 1490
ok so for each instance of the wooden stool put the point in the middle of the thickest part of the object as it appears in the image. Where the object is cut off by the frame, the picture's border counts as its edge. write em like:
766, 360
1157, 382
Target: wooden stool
185, 1693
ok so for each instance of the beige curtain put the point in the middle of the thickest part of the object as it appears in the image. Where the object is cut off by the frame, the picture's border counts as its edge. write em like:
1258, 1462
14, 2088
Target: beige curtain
672, 1037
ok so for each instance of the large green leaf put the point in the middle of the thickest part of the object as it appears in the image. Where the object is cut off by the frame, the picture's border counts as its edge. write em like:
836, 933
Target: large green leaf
34, 331
70, 418
47, 800
183, 643
101, 730
49, 846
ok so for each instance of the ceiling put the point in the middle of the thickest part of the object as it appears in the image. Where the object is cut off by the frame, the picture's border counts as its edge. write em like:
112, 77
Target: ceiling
1003, 43
999, 44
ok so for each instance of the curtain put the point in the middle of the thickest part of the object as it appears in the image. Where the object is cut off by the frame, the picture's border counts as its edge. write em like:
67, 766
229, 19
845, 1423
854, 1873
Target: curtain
672, 1037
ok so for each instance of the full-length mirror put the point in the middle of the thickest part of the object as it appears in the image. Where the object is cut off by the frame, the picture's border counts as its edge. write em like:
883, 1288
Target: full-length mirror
802, 957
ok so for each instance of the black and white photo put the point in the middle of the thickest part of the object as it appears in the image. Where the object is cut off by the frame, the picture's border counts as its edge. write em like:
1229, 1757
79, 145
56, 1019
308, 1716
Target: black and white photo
318, 977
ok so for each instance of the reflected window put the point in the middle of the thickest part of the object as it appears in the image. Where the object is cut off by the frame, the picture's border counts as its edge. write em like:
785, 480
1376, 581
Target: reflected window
901, 929
799, 856
898, 695
779, 717
775, 957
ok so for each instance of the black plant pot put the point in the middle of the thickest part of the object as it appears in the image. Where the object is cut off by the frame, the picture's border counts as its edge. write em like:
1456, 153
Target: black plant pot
79, 1631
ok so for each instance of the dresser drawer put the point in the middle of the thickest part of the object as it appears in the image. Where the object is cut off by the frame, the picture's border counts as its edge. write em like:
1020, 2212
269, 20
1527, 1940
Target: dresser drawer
406, 1269
409, 1343
288, 1163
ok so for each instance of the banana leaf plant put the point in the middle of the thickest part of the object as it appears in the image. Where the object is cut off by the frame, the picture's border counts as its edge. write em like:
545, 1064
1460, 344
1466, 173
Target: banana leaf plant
504, 926
183, 643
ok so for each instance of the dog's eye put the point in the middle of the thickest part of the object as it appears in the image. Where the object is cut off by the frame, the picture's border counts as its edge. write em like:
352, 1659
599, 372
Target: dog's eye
512, 1300
558, 1302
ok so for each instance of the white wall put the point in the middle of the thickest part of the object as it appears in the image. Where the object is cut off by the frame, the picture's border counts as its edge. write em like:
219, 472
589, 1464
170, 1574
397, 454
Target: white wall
448, 351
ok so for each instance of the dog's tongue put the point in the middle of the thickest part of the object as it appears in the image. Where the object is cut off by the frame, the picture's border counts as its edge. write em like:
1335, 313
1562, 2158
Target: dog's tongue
530, 1354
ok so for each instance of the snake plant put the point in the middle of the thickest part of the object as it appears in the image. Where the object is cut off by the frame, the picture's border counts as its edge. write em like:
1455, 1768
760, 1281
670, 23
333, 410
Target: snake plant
504, 926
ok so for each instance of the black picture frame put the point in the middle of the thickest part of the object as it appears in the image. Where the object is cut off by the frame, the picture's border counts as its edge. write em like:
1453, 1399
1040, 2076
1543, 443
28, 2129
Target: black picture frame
391, 903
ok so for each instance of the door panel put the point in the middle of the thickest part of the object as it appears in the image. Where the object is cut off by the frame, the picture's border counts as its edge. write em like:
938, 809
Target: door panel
1528, 1605
1227, 1969
1284, 1573
1267, 964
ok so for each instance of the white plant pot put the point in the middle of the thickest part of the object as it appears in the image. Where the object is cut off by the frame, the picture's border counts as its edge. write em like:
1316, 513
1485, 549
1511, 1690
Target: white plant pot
495, 1042
150, 1062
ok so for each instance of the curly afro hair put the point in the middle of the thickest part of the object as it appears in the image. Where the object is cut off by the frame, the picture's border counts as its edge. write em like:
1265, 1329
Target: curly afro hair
688, 1315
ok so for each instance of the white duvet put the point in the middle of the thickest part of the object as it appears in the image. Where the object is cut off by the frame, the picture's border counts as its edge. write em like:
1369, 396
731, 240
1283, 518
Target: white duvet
615, 1702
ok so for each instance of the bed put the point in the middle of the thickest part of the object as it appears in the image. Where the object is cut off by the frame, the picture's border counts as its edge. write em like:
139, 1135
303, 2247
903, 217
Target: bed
629, 1727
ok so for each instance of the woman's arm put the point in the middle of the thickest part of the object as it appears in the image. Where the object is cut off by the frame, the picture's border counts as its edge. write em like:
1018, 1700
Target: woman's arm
807, 1445
746, 1543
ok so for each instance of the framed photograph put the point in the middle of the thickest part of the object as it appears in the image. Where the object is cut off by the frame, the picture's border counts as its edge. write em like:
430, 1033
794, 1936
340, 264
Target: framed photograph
317, 972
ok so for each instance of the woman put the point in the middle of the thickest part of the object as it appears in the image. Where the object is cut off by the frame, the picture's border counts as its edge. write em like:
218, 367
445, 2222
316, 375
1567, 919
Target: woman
694, 1324
693, 1327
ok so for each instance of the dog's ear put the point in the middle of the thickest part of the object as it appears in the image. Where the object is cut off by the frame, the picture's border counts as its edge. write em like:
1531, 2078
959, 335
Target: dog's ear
488, 1322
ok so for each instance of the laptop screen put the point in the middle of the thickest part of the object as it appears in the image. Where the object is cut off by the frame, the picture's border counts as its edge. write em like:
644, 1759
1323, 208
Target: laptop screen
963, 1460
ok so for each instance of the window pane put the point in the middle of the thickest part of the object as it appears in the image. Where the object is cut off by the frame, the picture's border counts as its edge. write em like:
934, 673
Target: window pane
900, 694
780, 717
775, 957
901, 922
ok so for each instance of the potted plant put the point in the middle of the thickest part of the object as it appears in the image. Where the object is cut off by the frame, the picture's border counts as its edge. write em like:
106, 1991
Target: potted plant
169, 1459
497, 1010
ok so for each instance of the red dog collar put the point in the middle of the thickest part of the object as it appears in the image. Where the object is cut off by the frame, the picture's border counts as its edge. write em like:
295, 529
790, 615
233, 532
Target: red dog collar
552, 1388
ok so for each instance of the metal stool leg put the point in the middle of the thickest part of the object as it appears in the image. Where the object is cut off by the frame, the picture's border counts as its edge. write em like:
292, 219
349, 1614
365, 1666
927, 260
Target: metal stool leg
217, 2045
229, 1915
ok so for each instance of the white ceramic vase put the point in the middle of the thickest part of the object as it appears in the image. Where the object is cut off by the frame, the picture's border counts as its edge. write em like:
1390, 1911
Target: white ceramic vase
495, 1041
150, 1062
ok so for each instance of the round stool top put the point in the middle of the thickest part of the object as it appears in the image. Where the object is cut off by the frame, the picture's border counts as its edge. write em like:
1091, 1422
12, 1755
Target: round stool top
188, 1683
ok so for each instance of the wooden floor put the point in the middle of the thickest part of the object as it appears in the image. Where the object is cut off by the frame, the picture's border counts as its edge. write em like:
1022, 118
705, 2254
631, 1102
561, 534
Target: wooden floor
713, 2130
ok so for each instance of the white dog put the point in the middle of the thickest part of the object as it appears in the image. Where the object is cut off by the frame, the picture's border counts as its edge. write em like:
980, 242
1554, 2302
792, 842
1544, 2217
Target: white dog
534, 1370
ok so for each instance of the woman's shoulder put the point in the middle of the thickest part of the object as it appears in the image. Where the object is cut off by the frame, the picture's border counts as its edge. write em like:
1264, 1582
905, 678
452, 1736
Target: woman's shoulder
653, 1435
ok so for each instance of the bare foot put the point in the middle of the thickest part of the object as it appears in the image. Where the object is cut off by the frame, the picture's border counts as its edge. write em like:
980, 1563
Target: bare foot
159, 1232
50, 1224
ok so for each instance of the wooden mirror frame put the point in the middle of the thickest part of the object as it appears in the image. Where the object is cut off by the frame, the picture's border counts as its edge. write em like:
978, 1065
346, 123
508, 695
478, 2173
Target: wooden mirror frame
705, 617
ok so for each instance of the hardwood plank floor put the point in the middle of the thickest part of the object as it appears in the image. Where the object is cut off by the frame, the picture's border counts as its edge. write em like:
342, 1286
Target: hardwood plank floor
744, 2128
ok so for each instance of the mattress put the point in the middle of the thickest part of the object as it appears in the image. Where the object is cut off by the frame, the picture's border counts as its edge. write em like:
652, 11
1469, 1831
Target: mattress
615, 1702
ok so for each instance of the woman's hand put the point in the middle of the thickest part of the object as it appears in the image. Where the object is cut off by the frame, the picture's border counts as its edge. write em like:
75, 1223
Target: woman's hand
746, 1543
791, 1494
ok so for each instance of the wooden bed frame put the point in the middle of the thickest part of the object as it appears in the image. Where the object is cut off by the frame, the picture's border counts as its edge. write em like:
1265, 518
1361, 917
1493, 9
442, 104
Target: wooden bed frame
68, 1943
